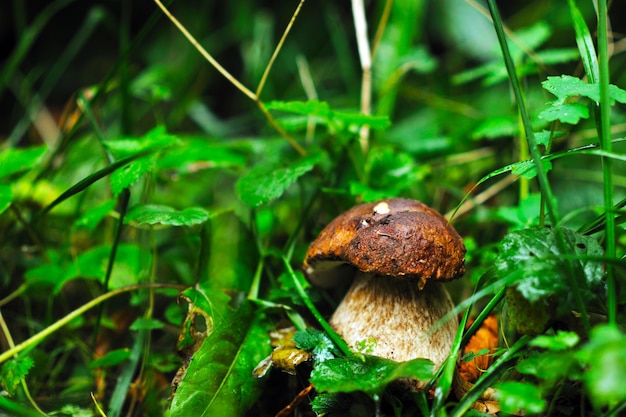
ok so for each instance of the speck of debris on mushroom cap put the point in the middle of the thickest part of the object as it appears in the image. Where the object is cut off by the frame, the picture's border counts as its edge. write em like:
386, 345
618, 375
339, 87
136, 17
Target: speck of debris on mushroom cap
394, 237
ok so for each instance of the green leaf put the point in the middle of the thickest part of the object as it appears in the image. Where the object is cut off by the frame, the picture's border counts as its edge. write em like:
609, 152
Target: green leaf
514, 396
338, 120
198, 154
370, 374
605, 358
366, 193
94, 216
314, 108
6, 197
390, 170
526, 317
14, 160
46, 274
526, 214
560, 341
551, 367
155, 139
143, 323
112, 358
343, 120
219, 379
13, 371
531, 38
72, 411
88, 181
544, 137
158, 214
265, 183
531, 254
16, 408
316, 342
419, 136
566, 113
566, 86
129, 174
131, 263
151, 84
556, 56
527, 169
397, 43
324, 403
495, 127
585, 44
419, 59
470, 356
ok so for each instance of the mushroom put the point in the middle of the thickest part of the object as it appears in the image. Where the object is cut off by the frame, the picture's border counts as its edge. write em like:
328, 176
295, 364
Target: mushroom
398, 252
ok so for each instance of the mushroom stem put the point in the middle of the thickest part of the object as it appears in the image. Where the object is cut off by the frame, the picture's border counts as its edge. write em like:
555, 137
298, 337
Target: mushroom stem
396, 318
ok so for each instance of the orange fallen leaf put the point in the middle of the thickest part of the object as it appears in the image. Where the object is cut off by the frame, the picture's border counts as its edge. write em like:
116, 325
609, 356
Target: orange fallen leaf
482, 344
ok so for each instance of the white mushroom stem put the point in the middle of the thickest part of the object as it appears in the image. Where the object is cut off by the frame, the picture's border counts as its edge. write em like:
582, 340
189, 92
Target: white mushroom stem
398, 317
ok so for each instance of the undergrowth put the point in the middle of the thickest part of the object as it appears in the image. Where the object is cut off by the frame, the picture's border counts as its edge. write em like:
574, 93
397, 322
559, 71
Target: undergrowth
155, 218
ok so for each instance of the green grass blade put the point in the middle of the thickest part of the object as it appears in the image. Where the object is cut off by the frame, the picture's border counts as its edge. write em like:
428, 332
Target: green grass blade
54, 327
337, 340
446, 377
598, 224
488, 378
123, 209
495, 300
607, 163
16, 409
403, 29
91, 179
546, 191
585, 44
118, 398
597, 70
88, 111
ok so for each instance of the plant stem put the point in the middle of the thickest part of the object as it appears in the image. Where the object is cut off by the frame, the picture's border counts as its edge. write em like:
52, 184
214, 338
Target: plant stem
9, 339
365, 55
382, 24
205, 54
489, 377
495, 300
39, 337
607, 163
268, 68
339, 342
245, 90
13, 407
524, 183
279, 129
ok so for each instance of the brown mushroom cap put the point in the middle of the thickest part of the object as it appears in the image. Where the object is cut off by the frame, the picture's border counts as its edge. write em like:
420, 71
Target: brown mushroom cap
393, 237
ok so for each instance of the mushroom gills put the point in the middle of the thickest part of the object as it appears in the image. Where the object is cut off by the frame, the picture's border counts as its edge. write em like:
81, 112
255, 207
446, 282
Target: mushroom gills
395, 320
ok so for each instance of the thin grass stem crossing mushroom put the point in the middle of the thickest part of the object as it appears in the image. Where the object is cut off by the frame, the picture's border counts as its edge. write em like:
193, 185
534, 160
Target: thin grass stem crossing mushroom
398, 253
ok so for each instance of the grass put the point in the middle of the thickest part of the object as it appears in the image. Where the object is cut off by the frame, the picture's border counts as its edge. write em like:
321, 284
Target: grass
155, 208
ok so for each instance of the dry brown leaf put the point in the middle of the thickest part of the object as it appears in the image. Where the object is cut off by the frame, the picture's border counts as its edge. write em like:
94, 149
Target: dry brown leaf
285, 356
